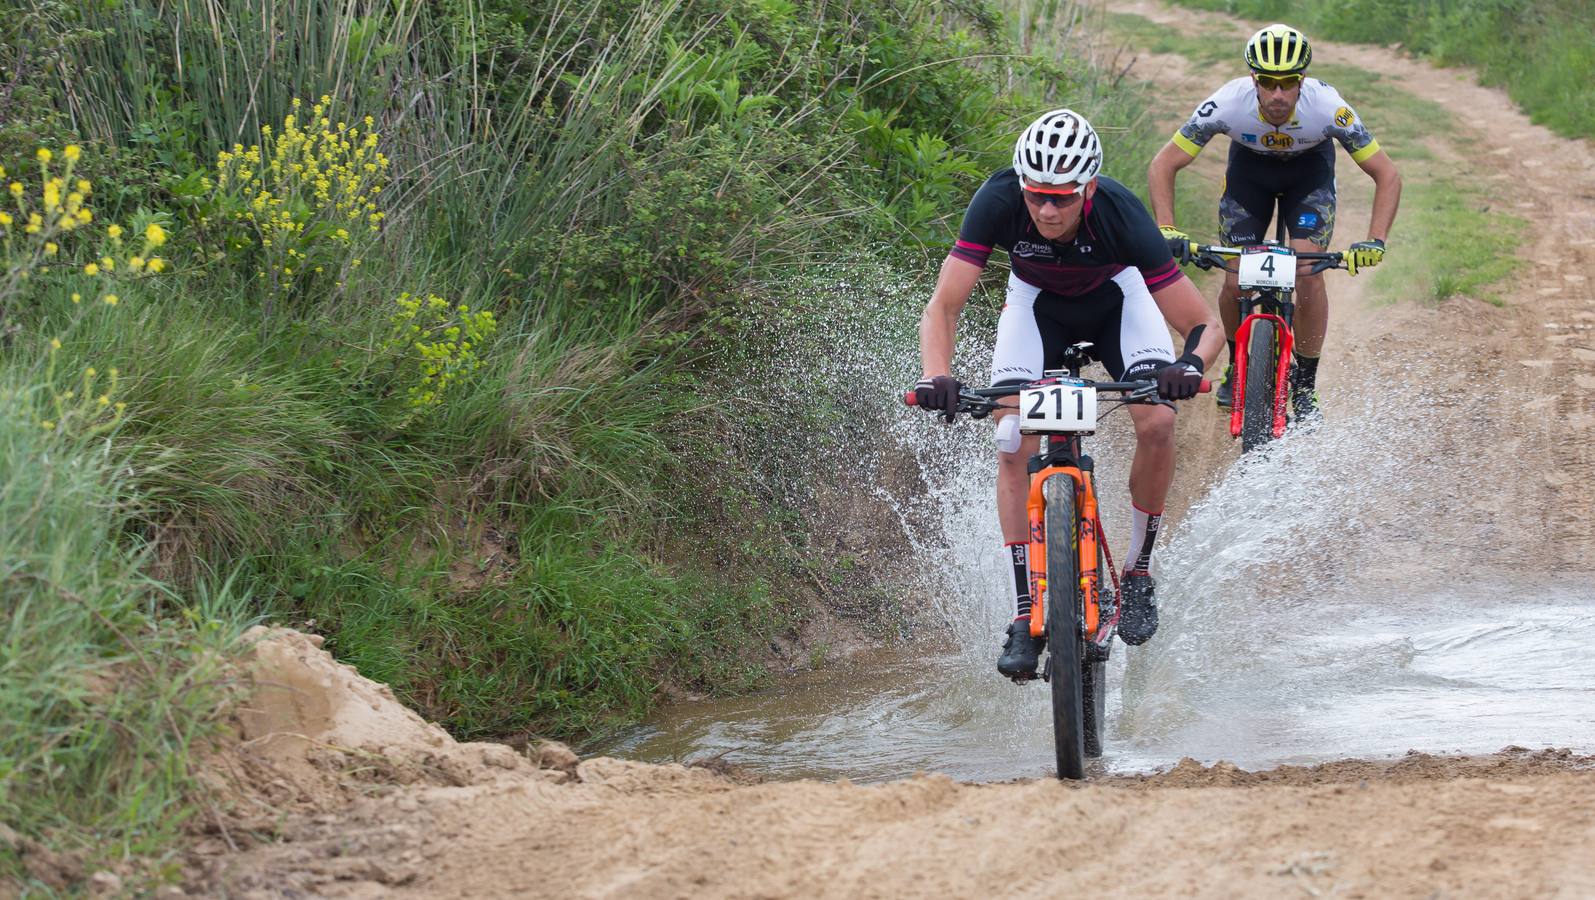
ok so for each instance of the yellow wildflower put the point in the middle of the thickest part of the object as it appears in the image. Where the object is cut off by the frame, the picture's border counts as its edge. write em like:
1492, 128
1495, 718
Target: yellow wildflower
156, 265
55, 343
77, 297
72, 152
16, 188
155, 234
43, 154
5, 219
108, 264
136, 262
91, 269
111, 299
50, 248
115, 232
47, 425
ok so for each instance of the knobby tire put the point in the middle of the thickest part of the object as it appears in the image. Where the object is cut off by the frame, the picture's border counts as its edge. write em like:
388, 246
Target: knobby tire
1065, 649
1257, 418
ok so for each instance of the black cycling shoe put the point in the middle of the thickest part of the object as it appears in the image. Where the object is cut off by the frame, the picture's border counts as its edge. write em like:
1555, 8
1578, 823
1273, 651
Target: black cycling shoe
1304, 407
1224, 394
1138, 621
1019, 651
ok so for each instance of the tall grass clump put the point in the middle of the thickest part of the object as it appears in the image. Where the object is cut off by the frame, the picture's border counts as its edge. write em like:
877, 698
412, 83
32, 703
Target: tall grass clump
1539, 50
105, 687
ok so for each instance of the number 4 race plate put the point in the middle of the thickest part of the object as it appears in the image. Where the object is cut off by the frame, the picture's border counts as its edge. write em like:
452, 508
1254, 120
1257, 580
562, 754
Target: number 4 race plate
1271, 268
1067, 408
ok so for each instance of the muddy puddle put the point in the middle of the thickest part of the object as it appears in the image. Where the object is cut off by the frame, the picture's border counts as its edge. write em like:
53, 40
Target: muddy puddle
1333, 598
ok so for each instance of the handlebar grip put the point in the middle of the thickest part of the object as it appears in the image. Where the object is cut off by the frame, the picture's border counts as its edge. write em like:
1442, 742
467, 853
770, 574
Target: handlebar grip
1206, 387
910, 399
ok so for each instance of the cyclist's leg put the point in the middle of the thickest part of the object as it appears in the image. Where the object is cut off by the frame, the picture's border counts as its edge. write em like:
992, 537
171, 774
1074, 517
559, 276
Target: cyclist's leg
1244, 211
1140, 347
1143, 346
1019, 355
1309, 207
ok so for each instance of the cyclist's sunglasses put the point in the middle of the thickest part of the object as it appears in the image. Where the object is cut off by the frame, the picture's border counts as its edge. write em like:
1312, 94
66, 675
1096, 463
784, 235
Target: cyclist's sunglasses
1063, 199
1278, 82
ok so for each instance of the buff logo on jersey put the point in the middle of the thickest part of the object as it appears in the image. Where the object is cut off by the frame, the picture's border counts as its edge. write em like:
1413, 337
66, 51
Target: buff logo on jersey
1276, 141
1343, 117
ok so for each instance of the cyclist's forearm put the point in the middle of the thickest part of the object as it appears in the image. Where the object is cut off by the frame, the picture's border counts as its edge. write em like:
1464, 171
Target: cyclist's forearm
1160, 181
936, 333
1386, 200
938, 324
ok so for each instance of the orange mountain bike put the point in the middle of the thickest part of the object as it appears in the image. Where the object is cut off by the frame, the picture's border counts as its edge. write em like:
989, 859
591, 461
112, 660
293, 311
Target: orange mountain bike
1073, 611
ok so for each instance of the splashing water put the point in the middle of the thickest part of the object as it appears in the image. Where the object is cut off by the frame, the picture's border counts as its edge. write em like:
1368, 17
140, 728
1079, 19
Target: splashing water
1358, 589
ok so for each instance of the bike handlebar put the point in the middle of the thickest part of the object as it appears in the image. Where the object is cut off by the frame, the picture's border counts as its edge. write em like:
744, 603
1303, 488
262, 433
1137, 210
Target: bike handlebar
1206, 256
976, 399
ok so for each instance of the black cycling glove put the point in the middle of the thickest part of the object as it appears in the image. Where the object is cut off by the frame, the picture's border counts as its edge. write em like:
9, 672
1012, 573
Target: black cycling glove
939, 392
1181, 379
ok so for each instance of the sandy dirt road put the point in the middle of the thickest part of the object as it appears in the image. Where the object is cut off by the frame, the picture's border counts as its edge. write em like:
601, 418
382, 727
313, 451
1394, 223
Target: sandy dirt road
338, 791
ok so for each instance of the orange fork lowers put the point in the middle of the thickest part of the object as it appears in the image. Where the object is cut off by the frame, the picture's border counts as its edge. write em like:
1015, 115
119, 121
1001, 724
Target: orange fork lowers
1090, 578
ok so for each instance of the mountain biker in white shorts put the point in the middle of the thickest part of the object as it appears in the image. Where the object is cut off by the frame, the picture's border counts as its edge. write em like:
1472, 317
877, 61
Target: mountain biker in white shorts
1088, 264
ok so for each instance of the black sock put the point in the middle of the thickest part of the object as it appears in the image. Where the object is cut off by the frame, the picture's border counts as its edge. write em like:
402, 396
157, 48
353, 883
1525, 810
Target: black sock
1020, 558
1306, 373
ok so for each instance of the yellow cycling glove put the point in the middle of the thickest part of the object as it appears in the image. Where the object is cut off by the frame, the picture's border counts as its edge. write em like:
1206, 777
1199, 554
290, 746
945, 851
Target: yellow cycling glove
1179, 242
1364, 255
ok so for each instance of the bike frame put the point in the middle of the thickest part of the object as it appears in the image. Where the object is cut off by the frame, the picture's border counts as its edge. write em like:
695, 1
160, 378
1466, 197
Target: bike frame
1068, 462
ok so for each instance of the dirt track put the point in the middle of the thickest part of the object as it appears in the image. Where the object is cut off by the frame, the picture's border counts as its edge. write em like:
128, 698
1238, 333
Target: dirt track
369, 801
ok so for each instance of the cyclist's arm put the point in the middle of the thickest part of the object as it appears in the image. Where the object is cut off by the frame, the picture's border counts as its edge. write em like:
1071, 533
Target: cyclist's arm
1183, 307
1160, 180
1386, 193
938, 325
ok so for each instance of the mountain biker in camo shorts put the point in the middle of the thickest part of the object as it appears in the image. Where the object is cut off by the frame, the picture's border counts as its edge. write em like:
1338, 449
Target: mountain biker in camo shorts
1087, 264
1282, 127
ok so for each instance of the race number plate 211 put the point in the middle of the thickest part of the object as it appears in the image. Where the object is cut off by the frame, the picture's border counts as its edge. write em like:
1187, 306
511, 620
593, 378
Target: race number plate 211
1066, 408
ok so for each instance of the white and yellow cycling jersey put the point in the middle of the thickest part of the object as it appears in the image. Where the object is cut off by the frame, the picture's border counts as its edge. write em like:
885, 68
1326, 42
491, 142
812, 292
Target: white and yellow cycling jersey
1320, 115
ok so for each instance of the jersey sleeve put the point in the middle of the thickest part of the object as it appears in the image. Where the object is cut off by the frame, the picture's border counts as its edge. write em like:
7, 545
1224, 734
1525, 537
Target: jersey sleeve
1346, 127
1143, 246
1205, 123
983, 222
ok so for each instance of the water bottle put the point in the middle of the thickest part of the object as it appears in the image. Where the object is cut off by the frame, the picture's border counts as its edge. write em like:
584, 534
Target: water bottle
1008, 436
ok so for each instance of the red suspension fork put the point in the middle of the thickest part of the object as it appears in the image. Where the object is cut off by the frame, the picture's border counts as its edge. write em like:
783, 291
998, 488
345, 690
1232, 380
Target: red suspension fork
1287, 342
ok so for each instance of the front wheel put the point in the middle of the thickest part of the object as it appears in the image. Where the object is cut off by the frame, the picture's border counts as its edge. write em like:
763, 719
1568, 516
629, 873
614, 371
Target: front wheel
1262, 361
1065, 644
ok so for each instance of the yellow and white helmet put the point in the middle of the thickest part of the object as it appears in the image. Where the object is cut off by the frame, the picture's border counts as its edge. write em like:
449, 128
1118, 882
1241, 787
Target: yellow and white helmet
1278, 50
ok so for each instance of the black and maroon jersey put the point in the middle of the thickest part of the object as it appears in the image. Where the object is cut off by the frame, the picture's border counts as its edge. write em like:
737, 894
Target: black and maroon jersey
1117, 234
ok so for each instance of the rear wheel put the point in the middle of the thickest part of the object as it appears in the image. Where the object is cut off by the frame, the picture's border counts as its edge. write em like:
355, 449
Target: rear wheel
1065, 650
1257, 418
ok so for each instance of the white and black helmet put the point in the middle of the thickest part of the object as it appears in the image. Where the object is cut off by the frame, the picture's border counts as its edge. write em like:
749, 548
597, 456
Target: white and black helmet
1061, 147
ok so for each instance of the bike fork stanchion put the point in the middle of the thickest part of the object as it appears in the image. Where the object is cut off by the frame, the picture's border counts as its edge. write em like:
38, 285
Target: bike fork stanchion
1035, 505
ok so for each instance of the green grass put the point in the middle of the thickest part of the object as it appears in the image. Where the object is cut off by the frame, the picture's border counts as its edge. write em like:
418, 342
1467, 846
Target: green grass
104, 684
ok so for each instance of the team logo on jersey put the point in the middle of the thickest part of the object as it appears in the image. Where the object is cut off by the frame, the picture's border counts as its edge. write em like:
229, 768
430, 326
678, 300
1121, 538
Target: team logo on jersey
1249, 138
1343, 117
1026, 248
1307, 220
1276, 141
